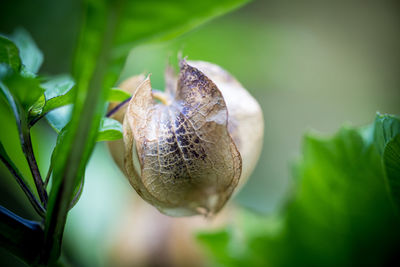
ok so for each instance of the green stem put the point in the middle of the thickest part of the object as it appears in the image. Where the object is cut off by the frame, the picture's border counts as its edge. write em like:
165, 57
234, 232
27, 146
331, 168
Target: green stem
33, 121
80, 138
17, 174
47, 180
30, 157
19, 236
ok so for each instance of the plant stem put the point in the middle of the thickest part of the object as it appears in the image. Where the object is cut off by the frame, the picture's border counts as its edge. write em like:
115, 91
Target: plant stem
21, 237
159, 95
30, 157
17, 174
47, 180
80, 139
117, 107
33, 121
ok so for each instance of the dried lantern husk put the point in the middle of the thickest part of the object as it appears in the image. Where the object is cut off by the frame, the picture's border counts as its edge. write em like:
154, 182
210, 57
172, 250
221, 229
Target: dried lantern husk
182, 155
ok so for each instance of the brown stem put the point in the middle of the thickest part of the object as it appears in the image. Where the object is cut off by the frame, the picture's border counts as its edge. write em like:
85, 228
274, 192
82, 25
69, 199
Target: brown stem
17, 174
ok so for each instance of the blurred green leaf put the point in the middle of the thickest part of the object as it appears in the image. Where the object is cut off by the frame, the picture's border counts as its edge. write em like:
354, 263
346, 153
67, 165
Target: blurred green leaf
58, 86
23, 85
386, 127
58, 92
341, 214
20, 236
110, 130
161, 20
78, 188
77, 192
9, 54
59, 117
6, 93
387, 140
59, 96
117, 95
30, 54
218, 245
25, 90
391, 160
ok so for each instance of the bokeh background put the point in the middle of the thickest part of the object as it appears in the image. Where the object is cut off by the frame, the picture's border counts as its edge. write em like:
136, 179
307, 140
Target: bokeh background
310, 64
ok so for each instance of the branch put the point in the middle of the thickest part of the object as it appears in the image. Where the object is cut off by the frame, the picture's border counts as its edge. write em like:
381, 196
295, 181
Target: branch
17, 174
30, 157
117, 107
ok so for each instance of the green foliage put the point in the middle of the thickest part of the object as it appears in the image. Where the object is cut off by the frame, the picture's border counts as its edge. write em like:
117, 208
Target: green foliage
117, 95
387, 140
341, 214
25, 90
391, 163
386, 127
58, 92
59, 117
9, 54
58, 95
110, 130
31, 56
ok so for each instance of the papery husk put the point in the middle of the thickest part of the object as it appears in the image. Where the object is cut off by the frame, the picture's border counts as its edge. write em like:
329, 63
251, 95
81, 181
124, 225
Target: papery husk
180, 157
240, 114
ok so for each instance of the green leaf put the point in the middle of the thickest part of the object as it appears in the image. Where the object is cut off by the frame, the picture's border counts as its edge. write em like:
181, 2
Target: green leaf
386, 127
78, 188
218, 246
387, 140
163, 20
36, 109
20, 236
30, 54
391, 162
59, 117
110, 29
117, 95
58, 86
77, 192
58, 92
110, 130
9, 54
58, 96
340, 215
25, 90
5, 91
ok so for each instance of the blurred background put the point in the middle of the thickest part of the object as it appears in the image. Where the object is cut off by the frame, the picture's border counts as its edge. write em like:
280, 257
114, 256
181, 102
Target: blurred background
310, 64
